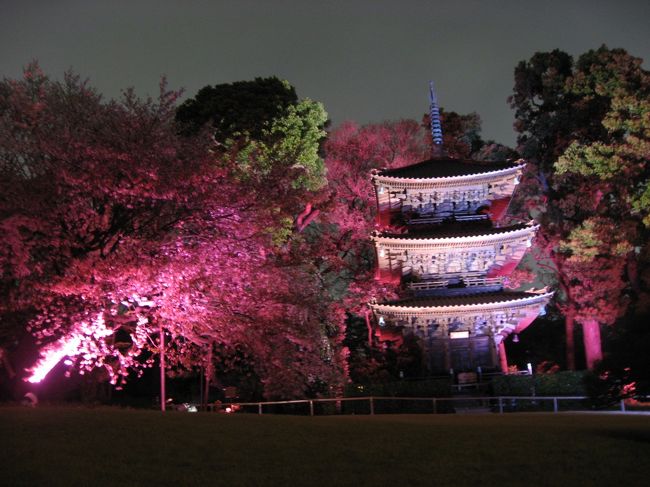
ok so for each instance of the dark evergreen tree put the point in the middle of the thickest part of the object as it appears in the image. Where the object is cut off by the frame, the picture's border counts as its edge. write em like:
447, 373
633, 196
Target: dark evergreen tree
584, 128
234, 110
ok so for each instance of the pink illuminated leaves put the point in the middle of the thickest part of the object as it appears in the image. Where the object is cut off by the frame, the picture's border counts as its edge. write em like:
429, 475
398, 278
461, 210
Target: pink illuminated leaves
86, 345
112, 214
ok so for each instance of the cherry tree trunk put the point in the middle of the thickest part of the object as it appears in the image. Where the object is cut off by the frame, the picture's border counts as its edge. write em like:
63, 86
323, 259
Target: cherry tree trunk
163, 399
569, 328
369, 327
591, 340
209, 370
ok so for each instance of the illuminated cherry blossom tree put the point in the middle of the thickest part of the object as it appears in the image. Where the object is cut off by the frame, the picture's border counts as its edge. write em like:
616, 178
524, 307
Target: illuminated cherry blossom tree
121, 232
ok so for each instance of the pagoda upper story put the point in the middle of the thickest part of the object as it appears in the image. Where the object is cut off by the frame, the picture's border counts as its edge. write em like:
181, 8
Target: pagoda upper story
444, 188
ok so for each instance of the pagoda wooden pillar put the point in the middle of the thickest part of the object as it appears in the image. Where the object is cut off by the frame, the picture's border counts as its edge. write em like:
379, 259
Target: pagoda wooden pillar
503, 358
493, 352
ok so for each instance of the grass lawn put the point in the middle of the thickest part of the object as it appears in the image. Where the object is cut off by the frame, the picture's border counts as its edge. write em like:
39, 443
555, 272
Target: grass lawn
95, 447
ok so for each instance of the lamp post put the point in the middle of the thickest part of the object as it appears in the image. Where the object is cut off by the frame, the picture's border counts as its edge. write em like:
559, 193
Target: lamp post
529, 366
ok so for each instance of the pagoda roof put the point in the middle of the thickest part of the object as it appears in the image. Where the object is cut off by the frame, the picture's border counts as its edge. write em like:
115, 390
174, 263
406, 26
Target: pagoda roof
446, 167
465, 302
449, 230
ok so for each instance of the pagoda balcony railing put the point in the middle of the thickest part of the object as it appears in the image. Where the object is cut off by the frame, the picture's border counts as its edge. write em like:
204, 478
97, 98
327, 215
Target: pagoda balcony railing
425, 285
482, 281
467, 281
439, 218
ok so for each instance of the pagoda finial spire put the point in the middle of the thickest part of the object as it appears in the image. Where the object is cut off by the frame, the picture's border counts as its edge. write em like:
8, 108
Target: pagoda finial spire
436, 126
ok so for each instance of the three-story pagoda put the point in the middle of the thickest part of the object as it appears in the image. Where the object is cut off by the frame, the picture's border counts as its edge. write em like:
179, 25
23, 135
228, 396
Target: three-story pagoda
440, 236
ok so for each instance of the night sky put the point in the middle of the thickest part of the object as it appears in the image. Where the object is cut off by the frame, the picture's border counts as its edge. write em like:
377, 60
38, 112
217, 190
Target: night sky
366, 60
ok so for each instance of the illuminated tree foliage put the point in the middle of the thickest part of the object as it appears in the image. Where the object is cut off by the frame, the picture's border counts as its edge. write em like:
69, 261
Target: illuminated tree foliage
263, 126
584, 126
116, 227
239, 109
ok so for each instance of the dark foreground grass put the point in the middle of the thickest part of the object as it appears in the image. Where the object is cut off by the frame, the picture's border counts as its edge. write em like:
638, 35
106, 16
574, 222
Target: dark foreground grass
70, 447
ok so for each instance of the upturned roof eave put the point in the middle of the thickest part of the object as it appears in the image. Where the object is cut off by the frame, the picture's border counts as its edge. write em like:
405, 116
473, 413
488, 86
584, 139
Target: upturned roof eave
449, 179
406, 239
525, 300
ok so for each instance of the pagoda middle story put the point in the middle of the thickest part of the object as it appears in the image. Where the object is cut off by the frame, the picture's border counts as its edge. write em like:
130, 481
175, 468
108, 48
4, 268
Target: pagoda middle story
440, 235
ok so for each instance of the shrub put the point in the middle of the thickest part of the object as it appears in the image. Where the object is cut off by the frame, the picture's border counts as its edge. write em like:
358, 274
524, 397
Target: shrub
439, 387
566, 383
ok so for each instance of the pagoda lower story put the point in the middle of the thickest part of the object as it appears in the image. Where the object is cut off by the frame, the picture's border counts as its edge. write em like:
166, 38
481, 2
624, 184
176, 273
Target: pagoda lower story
462, 332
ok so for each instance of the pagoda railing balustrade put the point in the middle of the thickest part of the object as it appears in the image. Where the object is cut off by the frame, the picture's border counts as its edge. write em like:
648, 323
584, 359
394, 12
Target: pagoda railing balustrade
468, 281
482, 281
439, 218
466, 218
424, 285
451, 277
